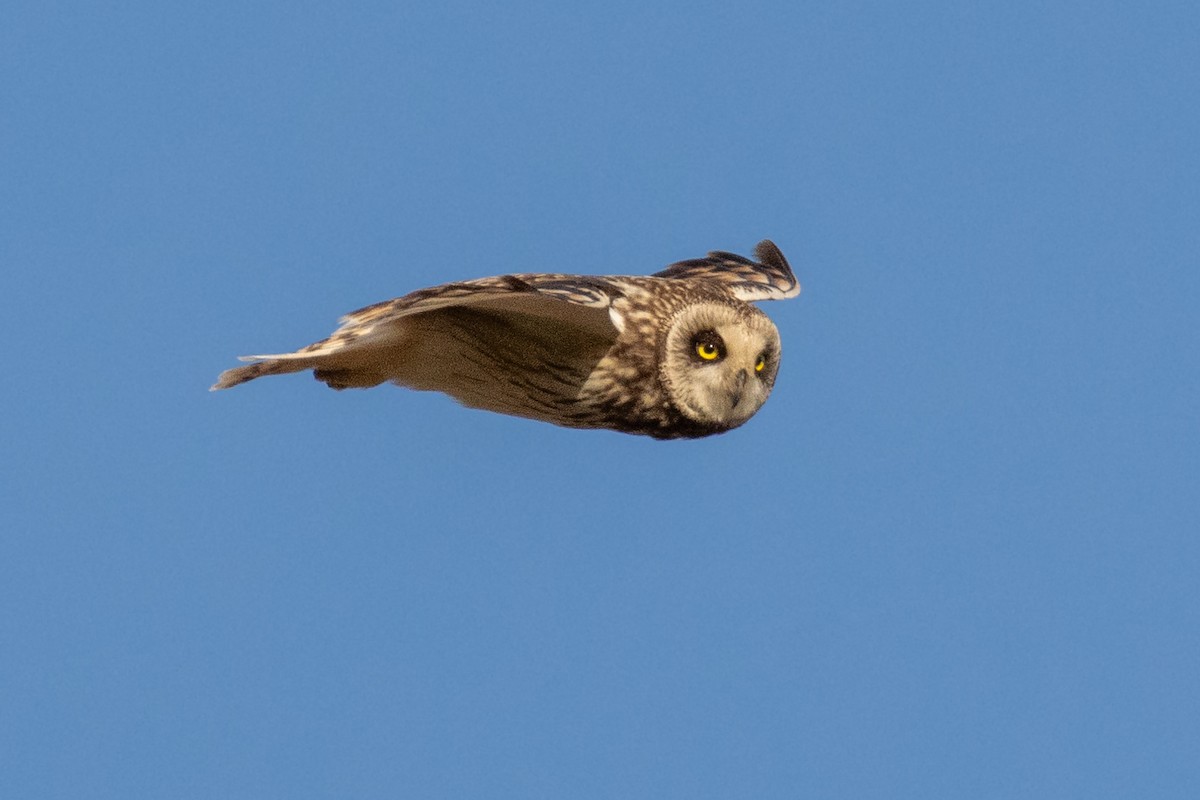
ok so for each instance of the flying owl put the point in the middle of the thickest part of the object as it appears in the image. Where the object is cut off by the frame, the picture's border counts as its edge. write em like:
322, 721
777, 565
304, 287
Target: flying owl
678, 354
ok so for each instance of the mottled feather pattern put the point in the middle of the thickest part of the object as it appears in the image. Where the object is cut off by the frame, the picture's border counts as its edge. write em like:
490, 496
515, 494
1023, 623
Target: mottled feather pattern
615, 352
588, 292
769, 278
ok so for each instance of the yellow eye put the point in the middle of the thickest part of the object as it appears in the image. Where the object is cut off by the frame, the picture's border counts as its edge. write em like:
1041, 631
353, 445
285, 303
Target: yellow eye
760, 364
707, 351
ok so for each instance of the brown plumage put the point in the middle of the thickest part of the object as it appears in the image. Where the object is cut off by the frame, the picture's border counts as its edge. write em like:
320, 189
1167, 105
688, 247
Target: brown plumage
681, 353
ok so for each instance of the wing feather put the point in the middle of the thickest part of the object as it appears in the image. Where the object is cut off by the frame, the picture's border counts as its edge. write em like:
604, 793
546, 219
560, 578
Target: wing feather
768, 278
357, 353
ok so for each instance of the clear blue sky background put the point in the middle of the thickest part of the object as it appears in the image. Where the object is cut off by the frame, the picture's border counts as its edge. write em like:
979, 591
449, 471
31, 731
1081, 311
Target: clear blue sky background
954, 556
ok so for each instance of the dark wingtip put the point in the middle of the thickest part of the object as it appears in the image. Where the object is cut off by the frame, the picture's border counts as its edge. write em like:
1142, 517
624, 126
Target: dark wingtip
768, 253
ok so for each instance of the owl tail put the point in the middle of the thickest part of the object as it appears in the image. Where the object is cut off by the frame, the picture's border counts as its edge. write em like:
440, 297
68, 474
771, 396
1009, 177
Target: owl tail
333, 363
268, 365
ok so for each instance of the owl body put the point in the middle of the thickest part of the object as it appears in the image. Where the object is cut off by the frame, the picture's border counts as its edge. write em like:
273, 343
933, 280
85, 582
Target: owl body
680, 354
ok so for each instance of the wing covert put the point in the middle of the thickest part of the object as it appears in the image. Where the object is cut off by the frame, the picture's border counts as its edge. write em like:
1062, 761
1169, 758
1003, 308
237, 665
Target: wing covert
531, 293
768, 278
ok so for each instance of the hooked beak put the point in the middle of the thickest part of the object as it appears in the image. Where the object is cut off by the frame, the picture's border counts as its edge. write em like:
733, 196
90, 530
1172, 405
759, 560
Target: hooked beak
739, 384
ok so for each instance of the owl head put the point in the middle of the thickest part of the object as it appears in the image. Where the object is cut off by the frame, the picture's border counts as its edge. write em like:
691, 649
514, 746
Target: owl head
718, 361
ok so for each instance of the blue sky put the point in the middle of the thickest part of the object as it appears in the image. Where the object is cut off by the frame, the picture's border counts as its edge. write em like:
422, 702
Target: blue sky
954, 556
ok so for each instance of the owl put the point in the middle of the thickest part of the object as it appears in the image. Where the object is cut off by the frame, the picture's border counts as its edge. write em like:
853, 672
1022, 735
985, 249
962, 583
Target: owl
677, 354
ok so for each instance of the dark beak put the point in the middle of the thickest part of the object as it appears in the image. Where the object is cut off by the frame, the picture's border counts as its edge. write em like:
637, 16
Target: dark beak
739, 383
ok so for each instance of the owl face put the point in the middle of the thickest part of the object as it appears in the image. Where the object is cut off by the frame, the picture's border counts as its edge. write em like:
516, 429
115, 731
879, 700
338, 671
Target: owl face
719, 362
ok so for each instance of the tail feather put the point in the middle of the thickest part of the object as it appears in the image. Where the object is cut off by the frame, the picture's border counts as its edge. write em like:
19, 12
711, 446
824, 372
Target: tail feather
354, 356
269, 365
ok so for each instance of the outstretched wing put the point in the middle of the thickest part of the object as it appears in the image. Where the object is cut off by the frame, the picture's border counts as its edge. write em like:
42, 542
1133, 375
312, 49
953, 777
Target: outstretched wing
372, 342
768, 278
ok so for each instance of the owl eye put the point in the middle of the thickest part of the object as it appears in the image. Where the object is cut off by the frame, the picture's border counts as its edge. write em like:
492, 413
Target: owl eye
708, 346
760, 364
